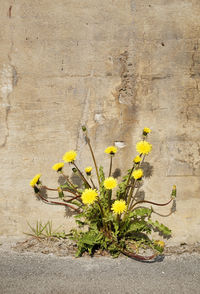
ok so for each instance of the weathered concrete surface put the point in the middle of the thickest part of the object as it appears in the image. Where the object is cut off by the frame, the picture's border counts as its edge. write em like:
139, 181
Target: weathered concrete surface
116, 66
32, 273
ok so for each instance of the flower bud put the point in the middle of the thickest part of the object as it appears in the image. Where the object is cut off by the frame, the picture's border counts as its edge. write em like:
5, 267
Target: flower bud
84, 128
173, 191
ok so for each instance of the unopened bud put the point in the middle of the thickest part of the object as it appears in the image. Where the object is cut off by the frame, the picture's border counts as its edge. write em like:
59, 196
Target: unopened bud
173, 191
36, 190
74, 170
84, 128
60, 193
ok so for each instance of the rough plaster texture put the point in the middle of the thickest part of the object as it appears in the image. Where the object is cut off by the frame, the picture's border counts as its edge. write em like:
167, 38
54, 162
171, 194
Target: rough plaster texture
115, 65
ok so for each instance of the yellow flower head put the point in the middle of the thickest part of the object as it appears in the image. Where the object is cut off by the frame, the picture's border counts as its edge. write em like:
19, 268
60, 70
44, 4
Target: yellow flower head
143, 147
89, 196
35, 180
119, 206
146, 131
160, 243
88, 170
137, 174
111, 150
110, 183
137, 159
70, 156
58, 166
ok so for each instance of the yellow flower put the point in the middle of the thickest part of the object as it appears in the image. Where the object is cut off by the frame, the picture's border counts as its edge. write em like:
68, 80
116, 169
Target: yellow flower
110, 183
88, 170
111, 150
143, 147
89, 196
58, 166
146, 131
160, 243
137, 174
137, 159
70, 156
119, 206
35, 180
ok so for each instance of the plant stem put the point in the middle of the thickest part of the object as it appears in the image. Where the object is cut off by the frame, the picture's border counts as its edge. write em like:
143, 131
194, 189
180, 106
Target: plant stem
92, 183
150, 202
102, 214
163, 215
111, 156
131, 192
64, 189
57, 203
73, 198
109, 194
93, 157
67, 179
127, 184
81, 175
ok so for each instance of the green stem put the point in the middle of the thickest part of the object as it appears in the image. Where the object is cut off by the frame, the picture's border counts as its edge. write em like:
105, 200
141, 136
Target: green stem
69, 182
127, 184
81, 175
109, 194
93, 157
132, 187
132, 200
92, 183
102, 214
111, 156
131, 192
64, 189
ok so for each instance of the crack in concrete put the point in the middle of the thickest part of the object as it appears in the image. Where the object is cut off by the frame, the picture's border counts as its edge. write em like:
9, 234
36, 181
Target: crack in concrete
9, 79
124, 92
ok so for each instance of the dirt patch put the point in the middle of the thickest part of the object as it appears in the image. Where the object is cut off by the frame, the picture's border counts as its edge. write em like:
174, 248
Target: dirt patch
66, 247
182, 248
58, 247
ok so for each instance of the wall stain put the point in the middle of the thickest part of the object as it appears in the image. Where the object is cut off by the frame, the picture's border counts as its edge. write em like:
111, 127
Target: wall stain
8, 80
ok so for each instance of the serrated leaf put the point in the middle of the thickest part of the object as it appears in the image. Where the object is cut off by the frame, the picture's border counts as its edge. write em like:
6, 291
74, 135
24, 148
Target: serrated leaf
160, 227
142, 212
77, 203
137, 226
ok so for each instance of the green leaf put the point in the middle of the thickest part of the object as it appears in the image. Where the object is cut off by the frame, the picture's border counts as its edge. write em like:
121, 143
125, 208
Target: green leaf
101, 174
77, 203
137, 226
160, 227
66, 185
142, 212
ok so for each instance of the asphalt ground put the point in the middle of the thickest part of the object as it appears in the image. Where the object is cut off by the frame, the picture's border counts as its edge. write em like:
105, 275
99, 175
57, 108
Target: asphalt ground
48, 274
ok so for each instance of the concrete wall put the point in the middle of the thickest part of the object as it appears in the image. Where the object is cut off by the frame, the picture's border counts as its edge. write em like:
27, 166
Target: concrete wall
116, 66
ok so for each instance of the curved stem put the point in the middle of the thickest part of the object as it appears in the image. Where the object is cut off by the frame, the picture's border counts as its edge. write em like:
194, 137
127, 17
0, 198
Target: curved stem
65, 189
136, 256
163, 215
73, 198
57, 203
150, 202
